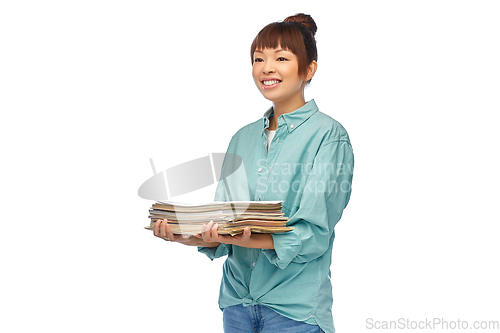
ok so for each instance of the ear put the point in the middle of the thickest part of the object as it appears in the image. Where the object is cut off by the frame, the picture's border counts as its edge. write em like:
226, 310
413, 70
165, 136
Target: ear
311, 69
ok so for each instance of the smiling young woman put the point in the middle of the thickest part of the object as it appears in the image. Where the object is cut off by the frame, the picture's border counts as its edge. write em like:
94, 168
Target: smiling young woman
284, 59
276, 74
281, 282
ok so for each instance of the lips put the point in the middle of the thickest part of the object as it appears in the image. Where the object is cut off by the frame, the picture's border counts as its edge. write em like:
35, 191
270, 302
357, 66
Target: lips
269, 83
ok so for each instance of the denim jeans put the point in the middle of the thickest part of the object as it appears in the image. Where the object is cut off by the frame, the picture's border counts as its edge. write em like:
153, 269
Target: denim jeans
261, 319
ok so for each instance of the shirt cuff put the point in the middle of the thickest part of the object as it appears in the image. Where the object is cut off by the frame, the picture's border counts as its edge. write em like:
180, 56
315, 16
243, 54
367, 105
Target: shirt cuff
214, 252
287, 246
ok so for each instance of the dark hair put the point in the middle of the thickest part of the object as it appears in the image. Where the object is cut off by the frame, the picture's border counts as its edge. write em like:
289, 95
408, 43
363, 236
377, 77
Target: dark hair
295, 33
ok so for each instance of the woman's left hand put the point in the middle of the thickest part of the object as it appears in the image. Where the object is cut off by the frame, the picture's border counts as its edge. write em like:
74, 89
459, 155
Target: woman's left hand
210, 234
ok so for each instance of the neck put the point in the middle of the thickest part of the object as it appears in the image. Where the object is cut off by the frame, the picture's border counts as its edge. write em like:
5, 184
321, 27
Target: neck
283, 107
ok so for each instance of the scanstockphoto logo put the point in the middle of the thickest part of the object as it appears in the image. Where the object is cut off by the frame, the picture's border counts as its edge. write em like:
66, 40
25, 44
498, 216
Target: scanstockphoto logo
431, 324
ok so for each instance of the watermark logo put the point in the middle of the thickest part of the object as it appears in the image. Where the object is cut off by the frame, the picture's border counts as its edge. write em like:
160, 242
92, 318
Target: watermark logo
188, 176
431, 324
277, 180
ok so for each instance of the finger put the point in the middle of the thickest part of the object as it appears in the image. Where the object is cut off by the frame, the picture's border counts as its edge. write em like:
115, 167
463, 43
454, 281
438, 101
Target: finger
198, 236
210, 225
247, 232
215, 231
156, 228
163, 231
212, 234
207, 235
206, 227
170, 233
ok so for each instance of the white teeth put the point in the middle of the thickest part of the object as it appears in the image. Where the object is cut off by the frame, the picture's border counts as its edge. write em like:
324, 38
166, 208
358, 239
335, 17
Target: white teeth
268, 83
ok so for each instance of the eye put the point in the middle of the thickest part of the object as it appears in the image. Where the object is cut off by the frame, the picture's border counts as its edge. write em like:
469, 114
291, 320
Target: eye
282, 59
258, 60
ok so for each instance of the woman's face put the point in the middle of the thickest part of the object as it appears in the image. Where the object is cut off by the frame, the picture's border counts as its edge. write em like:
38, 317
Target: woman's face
276, 74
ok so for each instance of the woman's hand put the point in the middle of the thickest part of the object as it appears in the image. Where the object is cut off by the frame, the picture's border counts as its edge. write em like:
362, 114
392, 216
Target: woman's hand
163, 230
210, 234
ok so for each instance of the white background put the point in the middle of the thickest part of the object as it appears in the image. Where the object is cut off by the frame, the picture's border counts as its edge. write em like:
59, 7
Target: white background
90, 90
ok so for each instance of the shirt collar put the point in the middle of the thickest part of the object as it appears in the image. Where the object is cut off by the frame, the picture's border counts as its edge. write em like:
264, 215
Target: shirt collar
293, 119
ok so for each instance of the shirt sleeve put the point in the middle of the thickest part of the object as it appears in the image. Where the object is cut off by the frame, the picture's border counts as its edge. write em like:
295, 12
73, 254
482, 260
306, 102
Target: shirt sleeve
325, 195
215, 252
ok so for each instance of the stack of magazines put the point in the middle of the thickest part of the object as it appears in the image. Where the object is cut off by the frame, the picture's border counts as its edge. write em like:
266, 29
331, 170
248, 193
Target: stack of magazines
232, 216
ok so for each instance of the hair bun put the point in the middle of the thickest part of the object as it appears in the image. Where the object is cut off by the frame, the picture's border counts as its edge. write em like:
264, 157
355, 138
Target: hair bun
305, 20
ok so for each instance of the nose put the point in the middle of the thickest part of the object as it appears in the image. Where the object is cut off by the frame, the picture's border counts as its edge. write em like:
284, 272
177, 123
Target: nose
268, 69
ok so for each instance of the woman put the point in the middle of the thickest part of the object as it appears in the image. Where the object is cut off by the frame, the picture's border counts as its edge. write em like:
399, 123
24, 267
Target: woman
299, 155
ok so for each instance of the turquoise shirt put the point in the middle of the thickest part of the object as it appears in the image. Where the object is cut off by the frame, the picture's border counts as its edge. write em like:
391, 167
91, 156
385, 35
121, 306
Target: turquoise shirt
309, 167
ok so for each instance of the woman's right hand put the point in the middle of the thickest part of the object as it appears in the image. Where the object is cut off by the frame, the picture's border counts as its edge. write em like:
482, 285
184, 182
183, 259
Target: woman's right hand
163, 230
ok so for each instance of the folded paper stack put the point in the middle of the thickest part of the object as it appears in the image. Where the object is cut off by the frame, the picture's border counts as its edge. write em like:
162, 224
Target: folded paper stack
232, 216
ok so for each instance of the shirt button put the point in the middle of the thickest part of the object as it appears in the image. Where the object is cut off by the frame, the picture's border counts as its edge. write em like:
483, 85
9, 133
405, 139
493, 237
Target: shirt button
260, 169
277, 140
254, 263
291, 126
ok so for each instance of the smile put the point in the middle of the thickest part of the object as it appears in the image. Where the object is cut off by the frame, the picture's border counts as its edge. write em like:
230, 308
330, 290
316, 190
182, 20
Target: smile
268, 84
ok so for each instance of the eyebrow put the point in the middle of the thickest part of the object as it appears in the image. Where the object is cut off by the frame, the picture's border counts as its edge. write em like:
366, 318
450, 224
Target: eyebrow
278, 50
